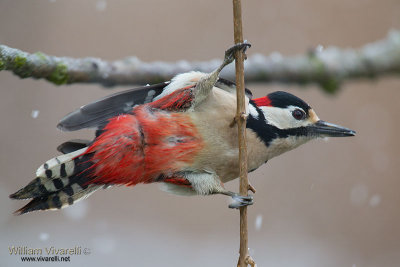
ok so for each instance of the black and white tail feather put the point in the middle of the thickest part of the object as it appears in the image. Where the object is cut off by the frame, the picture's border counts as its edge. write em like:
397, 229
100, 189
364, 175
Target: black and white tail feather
59, 182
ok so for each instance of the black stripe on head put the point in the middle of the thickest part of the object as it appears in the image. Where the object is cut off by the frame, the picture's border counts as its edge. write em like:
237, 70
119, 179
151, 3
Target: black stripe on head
282, 99
299, 131
260, 126
267, 132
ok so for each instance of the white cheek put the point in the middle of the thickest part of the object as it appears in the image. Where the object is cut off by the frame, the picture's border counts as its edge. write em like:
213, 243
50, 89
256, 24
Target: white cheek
282, 117
278, 117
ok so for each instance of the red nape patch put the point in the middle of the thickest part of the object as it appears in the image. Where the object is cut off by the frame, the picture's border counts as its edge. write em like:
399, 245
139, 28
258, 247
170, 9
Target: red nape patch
262, 101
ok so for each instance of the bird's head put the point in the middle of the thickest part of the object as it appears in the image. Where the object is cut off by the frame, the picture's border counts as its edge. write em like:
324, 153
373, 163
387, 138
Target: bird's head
284, 121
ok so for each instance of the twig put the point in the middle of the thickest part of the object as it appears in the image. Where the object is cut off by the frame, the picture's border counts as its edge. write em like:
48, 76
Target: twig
241, 122
251, 188
327, 67
250, 261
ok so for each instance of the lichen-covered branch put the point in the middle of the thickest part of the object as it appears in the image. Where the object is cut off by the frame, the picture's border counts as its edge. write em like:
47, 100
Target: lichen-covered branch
327, 67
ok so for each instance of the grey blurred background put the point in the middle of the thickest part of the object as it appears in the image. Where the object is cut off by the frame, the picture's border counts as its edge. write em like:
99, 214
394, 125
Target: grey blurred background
332, 203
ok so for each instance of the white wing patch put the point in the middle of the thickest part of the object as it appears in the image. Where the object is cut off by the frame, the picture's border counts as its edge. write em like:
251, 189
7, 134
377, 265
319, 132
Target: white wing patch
149, 97
181, 81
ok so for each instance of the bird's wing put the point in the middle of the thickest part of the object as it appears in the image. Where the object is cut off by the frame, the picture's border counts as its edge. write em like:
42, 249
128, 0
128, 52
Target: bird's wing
231, 87
97, 114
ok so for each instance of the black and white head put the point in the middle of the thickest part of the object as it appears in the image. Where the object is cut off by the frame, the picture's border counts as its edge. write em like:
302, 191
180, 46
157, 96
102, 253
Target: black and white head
284, 121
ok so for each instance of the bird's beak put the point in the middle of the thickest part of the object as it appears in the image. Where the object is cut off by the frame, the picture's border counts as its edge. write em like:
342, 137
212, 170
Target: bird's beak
326, 129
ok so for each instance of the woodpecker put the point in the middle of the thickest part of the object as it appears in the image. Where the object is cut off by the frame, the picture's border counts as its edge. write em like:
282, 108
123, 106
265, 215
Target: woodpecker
178, 134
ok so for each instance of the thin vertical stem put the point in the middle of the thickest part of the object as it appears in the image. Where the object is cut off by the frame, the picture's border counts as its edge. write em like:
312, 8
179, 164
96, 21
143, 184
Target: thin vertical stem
241, 122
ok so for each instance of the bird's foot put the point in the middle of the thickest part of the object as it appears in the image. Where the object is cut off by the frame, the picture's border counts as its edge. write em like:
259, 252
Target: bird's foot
241, 201
230, 53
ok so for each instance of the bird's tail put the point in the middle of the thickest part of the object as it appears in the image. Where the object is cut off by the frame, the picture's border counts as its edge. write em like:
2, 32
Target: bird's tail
59, 183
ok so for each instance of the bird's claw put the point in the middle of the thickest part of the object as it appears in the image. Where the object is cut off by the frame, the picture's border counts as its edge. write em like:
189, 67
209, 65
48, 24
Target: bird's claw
241, 201
230, 53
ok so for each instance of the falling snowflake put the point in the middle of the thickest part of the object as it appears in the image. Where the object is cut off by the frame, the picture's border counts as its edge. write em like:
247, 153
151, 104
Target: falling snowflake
101, 5
35, 114
375, 200
44, 236
319, 48
258, 222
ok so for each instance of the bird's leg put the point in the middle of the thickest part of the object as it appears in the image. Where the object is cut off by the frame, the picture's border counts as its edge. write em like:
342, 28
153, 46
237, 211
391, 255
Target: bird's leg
238, 200
206, 83
207, 183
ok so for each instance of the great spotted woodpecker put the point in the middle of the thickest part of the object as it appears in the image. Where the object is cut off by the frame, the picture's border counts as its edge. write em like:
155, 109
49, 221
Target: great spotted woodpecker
176, 133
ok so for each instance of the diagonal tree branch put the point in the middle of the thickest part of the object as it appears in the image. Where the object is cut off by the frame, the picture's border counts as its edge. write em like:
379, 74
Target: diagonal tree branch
327, 67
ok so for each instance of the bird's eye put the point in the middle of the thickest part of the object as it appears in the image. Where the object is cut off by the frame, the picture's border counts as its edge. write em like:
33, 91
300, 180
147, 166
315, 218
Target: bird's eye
298, 114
